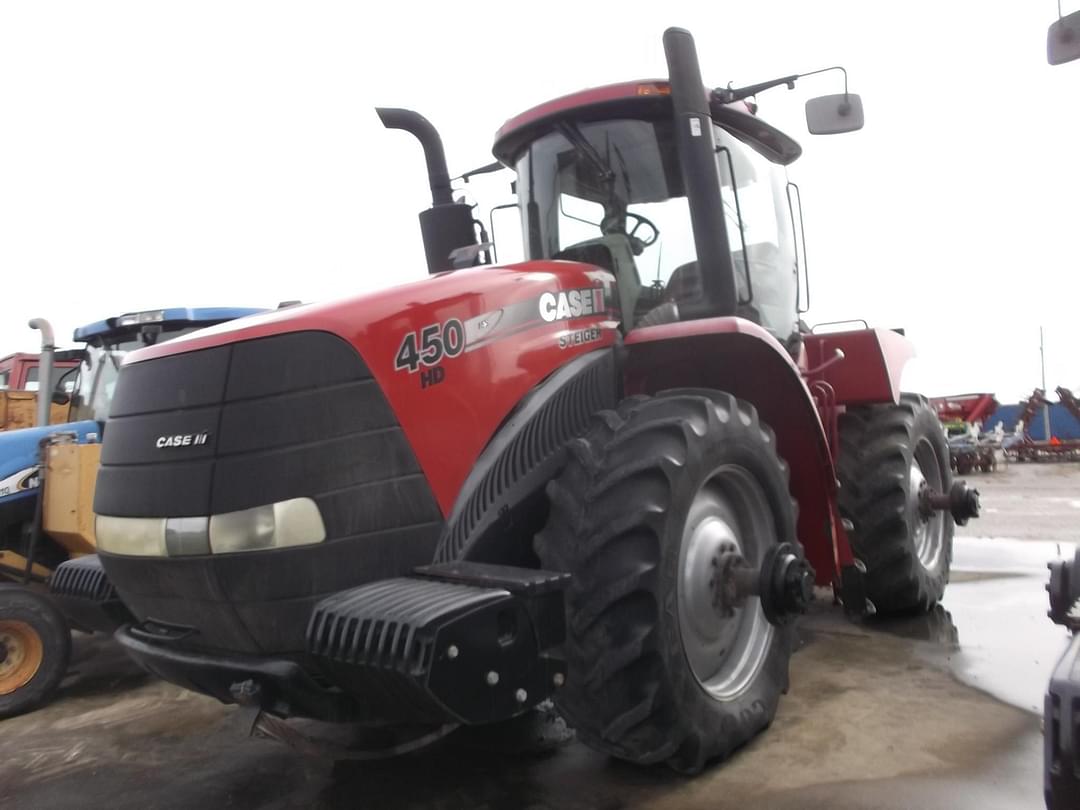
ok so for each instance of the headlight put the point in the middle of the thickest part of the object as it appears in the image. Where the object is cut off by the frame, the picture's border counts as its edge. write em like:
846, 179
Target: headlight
295, 522
144, 537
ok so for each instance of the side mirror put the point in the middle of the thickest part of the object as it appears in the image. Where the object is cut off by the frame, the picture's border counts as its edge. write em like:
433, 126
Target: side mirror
1063, 40
61, 398
830, 115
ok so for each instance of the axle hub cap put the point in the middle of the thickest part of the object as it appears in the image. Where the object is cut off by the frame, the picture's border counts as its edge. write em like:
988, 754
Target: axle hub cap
928, 531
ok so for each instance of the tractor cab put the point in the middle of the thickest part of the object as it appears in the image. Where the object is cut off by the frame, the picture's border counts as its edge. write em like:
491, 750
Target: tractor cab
599, 181
680, 192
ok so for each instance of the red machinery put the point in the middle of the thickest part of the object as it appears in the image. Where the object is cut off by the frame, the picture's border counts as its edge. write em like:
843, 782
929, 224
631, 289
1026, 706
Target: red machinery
968, 408
1071, 403
1051, 448
575, 476
967, 453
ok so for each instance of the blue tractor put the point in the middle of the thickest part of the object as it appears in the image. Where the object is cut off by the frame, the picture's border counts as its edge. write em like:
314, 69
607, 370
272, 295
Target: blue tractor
47, 479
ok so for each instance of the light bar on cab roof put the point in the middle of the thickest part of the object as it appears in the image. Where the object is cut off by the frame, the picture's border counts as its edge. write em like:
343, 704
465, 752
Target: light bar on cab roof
136, 318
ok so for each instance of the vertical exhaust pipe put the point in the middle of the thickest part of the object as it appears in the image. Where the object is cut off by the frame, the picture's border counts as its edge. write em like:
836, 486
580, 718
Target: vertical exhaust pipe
446, 226
701, 178
45, 367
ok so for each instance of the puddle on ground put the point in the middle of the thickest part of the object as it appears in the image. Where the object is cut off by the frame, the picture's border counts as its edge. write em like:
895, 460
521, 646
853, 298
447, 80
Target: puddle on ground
991, 629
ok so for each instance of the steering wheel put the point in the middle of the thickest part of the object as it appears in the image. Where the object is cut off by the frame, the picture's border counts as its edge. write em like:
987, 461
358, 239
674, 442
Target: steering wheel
637, 243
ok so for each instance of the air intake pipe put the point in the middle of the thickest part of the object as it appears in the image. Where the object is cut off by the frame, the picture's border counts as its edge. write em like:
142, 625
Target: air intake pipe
701, 179
446, 226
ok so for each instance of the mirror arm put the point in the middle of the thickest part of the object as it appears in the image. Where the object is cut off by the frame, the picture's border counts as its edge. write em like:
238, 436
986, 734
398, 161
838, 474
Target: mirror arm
826, 70
729, 95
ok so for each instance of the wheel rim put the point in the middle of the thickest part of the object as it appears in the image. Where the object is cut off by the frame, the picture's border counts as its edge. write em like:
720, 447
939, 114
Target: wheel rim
929, 530
21, 653
728, 514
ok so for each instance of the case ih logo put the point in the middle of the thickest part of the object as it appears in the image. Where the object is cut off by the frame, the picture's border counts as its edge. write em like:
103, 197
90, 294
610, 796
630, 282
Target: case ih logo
182, 440
571, 304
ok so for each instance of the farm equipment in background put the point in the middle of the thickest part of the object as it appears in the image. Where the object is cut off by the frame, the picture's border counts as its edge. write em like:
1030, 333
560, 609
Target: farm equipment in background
1021, 447
963, 417
1071, 403
19, 390
574, 477
47, 476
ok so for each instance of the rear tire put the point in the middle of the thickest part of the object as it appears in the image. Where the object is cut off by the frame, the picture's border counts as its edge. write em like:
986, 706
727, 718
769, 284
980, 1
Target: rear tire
885, 450
654, 673
35, 647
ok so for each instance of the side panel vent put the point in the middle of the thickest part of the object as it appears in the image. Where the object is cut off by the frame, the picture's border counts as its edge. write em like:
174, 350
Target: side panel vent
505, 490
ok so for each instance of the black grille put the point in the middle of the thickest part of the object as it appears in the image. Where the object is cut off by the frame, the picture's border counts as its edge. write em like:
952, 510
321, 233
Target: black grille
288, 416
83, 578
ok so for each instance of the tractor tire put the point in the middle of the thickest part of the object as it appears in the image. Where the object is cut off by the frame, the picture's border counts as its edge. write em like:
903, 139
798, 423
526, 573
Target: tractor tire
647, 500
35, 647
886, 451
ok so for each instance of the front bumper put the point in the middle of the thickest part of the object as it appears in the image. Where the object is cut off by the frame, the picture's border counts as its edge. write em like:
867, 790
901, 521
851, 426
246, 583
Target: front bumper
279, 686
458, 642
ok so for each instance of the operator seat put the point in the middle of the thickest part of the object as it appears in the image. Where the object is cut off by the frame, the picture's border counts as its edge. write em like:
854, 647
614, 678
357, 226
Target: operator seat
612, 252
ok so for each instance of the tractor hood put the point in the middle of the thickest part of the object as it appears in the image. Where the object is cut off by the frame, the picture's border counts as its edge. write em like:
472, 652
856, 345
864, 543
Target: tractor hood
429, 345
19, 455
363, 417
371, 313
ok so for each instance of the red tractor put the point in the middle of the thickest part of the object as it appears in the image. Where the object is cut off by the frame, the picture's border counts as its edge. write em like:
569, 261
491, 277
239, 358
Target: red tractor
611, 474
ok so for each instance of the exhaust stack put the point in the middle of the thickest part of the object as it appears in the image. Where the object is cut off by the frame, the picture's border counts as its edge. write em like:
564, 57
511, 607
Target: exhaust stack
45, 364
446, 226
697, 157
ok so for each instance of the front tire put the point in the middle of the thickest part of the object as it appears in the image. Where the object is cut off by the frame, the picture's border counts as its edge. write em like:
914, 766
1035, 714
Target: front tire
649, 497
35, 647
886, 453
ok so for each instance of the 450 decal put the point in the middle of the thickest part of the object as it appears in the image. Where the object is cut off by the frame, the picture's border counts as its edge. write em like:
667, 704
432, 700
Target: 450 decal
430, 345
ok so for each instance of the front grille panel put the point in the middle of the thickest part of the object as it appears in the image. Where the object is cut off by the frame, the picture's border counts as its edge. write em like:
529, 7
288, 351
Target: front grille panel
296, 415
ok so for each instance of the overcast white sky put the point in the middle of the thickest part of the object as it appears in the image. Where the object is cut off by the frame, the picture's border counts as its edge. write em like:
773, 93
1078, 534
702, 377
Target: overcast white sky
227, 153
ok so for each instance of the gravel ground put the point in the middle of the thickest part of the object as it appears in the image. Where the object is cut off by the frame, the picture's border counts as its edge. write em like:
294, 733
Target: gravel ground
880, 715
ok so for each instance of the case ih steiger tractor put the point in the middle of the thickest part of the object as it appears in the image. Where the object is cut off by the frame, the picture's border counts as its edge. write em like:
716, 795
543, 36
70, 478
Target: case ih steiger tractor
609, 474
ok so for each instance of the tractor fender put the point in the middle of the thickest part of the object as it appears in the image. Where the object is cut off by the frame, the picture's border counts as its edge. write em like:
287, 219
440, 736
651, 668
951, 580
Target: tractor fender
740, 357
871, 367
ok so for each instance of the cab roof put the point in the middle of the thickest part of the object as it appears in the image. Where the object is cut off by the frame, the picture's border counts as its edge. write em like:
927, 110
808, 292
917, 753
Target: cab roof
647, 99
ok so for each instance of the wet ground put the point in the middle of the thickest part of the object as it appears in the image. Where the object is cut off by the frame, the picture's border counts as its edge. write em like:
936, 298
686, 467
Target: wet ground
880, 715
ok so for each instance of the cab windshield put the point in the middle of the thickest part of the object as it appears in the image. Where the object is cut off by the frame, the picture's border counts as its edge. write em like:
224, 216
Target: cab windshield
610, 193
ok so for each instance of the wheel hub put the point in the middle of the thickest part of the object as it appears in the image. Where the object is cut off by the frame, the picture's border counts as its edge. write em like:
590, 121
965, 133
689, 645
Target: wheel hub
21, 653
725, 634
928, 533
